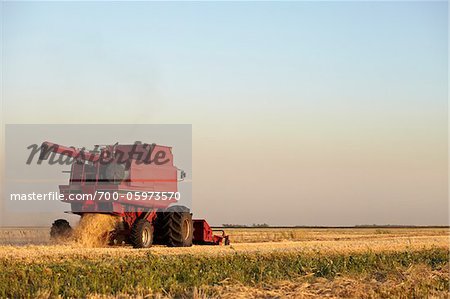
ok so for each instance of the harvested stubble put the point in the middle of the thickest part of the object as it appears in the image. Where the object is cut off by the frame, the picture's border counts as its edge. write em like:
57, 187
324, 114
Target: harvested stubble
328, 243
250, 235
24, 235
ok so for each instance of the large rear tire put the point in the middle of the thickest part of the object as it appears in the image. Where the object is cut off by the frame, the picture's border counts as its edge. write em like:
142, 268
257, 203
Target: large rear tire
175, 227
141, 235
60, 229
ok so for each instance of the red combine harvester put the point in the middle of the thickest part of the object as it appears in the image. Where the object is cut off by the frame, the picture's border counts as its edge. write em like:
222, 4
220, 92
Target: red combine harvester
136, 182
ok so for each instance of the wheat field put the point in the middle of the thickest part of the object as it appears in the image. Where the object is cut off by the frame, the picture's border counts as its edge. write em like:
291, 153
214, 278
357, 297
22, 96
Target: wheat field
260, 262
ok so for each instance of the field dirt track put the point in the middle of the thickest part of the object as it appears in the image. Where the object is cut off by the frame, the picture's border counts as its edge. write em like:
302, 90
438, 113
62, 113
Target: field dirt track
259, 263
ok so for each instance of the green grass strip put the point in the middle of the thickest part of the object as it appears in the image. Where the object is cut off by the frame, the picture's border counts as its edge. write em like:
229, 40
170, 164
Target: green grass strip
178, 274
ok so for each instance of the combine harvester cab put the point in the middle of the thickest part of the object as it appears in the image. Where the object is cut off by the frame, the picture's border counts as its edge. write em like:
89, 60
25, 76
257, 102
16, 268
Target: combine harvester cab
114, 179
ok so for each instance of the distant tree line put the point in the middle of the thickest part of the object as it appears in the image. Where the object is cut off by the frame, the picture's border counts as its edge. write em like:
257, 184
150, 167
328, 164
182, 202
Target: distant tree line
244, 225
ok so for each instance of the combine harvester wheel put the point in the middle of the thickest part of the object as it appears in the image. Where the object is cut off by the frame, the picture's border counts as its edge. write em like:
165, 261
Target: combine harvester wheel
175, 227
141, 235
60, 229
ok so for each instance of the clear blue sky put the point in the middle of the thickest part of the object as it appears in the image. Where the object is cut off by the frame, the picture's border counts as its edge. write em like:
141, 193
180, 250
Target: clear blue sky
339, 107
